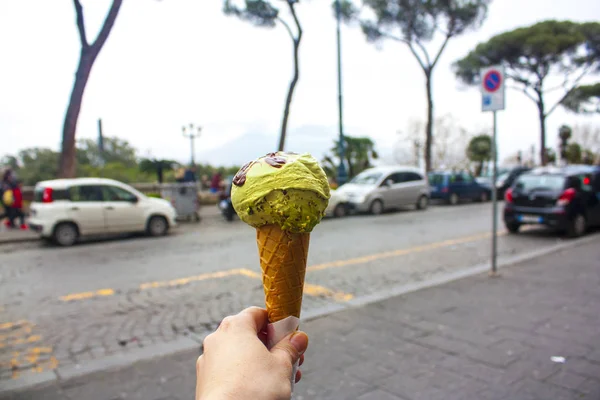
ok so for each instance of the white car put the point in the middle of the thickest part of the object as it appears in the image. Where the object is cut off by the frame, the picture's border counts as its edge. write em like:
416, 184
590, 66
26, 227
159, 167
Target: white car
64, 210
338, 205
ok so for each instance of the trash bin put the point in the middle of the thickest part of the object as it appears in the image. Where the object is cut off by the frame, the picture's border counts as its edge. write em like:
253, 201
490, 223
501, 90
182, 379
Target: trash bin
184, 197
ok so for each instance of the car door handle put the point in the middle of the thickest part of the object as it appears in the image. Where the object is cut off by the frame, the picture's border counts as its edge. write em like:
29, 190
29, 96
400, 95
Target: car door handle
110, 208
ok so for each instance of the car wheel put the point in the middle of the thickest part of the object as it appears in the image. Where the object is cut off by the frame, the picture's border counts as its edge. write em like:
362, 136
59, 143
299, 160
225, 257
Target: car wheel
453, 199
576, 226
65, 234
422, 203
513, 227
376, 207
157, 226
483, 197
339, 211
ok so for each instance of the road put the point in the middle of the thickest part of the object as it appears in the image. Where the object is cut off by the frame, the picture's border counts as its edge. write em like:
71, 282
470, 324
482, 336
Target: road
61, 307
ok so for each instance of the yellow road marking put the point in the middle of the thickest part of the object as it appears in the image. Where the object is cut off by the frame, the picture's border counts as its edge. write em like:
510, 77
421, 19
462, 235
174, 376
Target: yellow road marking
185, 281
13, 325
88, 295
313, 290
400, 252
309, 289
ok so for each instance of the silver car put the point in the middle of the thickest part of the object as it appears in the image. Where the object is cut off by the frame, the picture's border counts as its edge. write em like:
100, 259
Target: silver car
378, 189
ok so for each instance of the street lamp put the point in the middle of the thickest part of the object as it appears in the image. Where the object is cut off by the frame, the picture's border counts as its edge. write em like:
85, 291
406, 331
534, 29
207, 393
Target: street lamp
342, 174
191, 132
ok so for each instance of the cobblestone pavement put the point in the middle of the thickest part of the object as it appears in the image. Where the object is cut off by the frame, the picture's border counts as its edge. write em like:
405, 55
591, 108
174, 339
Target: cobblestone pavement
68, 307
531, 334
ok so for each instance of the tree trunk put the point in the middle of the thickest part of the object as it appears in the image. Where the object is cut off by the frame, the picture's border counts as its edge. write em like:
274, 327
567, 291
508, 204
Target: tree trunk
542, 117
290, 95
429, 127
67, 156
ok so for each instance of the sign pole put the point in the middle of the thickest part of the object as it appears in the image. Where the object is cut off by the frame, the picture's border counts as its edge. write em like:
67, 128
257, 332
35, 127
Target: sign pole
494, 270
492, 99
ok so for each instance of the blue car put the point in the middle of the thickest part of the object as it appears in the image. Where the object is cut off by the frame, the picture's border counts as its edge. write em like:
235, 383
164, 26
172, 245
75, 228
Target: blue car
453, 187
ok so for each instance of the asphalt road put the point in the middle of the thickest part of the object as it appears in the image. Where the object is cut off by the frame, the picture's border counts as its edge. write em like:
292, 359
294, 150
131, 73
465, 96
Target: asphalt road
68, 306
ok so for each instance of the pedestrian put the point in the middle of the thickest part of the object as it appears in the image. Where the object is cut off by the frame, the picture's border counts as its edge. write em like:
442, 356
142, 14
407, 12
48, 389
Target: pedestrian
190, 175
7, 198
215, 183
17, 207
237, 365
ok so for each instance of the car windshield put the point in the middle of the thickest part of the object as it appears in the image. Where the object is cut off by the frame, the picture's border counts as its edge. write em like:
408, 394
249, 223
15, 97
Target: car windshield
436, 179
366, 178
540, 182
502, 177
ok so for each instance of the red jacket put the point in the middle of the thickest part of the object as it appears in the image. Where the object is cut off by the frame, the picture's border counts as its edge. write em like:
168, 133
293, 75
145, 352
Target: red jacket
18, 195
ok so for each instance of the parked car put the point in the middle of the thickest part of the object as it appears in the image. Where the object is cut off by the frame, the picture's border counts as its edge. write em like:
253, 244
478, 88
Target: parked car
65, 210
506, 180
453, 187
338, 205
565, 198
378, 189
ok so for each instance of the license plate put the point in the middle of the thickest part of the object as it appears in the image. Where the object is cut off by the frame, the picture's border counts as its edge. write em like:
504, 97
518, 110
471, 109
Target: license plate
434, 189
530, 218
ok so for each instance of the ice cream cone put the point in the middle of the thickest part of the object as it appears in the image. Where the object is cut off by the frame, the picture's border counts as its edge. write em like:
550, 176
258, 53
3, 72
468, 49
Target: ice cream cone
283, 258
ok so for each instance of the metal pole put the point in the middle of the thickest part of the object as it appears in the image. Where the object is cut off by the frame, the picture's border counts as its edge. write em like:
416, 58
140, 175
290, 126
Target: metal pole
342, 174
100, 141
192, 136
494, 270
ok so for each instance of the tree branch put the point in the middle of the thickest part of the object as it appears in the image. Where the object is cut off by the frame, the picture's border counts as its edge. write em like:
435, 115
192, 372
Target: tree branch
109, 21
411, 47
287, 27
524, 90
81, 24
293, 11
424, 50
568, 92
437, 57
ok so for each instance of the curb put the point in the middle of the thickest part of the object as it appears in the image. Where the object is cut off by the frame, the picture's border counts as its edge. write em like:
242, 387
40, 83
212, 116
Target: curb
11, 240
194, 342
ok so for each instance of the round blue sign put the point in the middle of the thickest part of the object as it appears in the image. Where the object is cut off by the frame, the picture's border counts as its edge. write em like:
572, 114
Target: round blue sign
492, 80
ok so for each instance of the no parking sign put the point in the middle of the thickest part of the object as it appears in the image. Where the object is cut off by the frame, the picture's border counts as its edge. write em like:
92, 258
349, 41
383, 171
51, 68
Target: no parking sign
492, 88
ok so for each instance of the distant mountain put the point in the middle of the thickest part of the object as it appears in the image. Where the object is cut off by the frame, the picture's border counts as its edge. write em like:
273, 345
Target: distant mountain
314, 139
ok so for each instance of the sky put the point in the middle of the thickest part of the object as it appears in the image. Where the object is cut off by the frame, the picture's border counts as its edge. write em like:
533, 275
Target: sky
174, 62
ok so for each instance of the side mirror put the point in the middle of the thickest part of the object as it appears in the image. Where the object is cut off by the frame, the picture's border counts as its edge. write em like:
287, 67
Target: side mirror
389, 183
134, 200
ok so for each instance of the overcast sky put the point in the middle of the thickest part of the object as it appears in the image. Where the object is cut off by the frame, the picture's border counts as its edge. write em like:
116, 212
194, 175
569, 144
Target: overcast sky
172, 62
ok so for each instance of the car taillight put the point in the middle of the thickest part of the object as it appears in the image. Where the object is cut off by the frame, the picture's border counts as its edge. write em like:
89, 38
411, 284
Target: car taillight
508, 196
47, 195
444, 190
566, 197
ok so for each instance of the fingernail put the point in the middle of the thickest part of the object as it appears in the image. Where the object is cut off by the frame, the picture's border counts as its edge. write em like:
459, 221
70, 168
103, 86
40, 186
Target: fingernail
300, 341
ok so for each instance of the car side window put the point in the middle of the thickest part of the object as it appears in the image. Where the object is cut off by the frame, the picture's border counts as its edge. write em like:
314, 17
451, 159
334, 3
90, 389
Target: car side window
114, 193
413, 177
85, 193
467, 178
596, 182
586, 182
456, 178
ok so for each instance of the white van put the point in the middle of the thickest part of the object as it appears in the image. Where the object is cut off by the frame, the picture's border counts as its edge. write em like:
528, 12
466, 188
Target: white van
381, 188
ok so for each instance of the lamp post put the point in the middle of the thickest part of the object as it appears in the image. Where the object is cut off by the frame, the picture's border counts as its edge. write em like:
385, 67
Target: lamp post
342, 174
191, 132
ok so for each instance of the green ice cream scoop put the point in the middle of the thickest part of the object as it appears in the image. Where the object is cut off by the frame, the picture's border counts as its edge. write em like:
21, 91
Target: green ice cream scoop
286, 189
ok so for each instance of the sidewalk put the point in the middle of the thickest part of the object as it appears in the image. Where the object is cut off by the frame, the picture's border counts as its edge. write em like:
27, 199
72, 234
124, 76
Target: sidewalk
533, 333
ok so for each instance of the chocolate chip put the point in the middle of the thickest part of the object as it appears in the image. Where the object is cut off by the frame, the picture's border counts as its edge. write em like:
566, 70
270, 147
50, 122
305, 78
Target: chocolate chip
240, 178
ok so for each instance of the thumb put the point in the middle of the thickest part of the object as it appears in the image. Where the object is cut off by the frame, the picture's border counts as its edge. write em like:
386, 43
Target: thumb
291, 347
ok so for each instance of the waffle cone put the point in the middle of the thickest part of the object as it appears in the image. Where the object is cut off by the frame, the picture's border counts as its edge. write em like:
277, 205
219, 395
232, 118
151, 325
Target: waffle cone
283, 261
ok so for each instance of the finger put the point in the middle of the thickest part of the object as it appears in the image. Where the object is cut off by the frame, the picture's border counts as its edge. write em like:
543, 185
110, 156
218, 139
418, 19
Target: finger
253, 319
298, 376
256, 317
301, 360
291, 347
